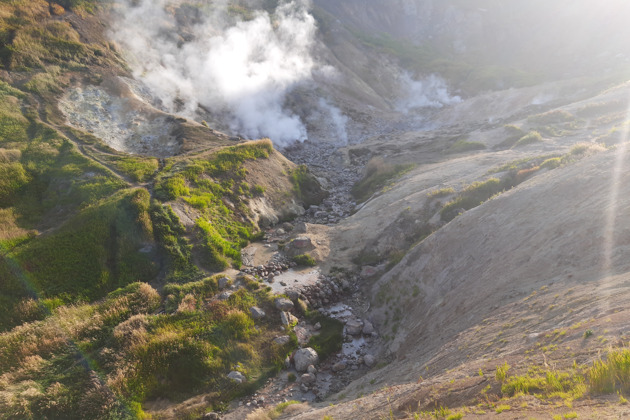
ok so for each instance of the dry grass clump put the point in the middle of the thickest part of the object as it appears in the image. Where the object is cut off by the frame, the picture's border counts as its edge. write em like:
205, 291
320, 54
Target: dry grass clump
10, 155
188, 304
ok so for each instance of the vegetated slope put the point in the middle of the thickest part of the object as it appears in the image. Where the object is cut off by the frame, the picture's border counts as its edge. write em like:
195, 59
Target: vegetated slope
85, 228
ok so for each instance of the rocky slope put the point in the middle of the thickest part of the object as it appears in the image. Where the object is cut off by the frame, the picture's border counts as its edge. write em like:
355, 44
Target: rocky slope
469, 251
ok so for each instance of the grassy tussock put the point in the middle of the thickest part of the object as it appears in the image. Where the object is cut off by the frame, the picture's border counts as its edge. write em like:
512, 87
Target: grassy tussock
461, 146
472, 196
544, 383
378, 174
612, 374
529, 138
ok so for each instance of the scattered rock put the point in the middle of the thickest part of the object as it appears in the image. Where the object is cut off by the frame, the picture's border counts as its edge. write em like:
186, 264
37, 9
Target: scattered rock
354, 327
256, 312
308, 379
283, 304
223, 282
237, 376
282, 340
303, 358
338, 367
224, 295
302, 334
293, 295
317, 326
210, 416
311, 369
287, 362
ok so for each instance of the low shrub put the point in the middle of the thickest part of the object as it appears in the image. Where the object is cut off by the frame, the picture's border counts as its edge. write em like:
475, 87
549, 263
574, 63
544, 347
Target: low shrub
529, 138
461, 146
305, 260
378, 174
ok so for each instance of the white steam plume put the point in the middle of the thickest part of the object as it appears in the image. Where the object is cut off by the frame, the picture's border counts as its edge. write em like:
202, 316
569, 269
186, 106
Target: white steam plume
338, 121
241, 71
430, 92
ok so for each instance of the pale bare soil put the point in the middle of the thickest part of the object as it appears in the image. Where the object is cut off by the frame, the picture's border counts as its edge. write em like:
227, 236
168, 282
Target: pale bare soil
519, 279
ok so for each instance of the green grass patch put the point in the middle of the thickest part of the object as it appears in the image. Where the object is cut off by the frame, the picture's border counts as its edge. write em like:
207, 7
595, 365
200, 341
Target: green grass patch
472, 196
545, 383
513, 133
378, 175
169, 234
612, 374
442, 192
215, 187
461, 146
93, 253
529, 138
304, 260
138, 169
306, 186
330, 337
551, 163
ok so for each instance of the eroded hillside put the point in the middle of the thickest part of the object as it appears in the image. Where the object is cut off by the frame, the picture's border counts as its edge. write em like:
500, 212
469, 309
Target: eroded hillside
449, 243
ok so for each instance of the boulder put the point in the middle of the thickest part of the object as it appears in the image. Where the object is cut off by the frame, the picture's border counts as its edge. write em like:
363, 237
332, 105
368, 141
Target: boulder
287, 319
301, 242
299, 246
369, 360
368, 328
223, 282
293, 295
224, 295
282, 340
283, 304
237, 376
300, 227
256, 312
303, 358
311, 369
354, 327
308, 379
